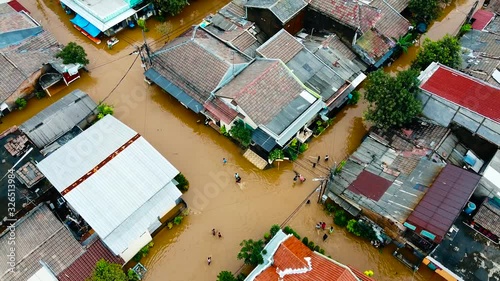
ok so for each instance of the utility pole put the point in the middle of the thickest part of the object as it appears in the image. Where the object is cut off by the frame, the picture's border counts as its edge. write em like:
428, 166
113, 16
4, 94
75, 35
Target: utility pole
325, 181
147, 48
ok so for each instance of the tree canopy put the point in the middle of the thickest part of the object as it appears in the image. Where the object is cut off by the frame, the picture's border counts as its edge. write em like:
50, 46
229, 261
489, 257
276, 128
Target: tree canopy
105, 271
424, 10
445, 51
73, 53
392, 100
172, 7
226, 276
251, 252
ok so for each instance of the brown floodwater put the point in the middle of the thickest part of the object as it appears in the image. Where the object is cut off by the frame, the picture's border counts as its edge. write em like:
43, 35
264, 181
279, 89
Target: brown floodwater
239, 211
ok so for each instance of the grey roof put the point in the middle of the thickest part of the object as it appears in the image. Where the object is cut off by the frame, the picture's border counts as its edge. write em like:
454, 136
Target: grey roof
181, 61
112, 163
468, 254
39, 237
20, 61
310, 70
284, 10
482, 54
59, 118
336, 55
409, 184
230, 26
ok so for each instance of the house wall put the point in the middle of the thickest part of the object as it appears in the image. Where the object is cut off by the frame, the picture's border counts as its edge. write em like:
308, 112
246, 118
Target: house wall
265, 20
294, 25
136, 246
445, 112
321, 22
26, 88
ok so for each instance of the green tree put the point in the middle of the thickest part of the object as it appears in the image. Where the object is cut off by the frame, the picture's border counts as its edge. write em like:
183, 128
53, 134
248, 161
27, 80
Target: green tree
21, 103
226, 276
424, 10
241, 132
183, 182
445, 51
251, 252
340, 218
274, 229
105, 271
392, 100
172, 7
104, 109
73, 53
404, 42
352, 227
276, 154
354, 99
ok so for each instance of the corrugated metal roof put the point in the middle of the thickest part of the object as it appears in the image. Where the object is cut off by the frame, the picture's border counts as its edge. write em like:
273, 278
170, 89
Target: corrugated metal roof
59, 118
444, 201
120, 192
481, 19
263, 140
370, 185
463, 90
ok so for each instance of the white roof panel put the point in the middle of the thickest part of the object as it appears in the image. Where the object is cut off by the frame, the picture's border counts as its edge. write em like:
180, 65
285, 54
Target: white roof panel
102, 15
123, 190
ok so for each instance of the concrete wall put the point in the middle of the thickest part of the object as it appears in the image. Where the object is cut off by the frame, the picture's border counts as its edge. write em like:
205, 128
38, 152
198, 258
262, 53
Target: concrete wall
444, 112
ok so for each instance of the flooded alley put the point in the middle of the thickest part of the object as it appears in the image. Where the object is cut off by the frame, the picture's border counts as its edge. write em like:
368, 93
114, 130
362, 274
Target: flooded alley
239, 211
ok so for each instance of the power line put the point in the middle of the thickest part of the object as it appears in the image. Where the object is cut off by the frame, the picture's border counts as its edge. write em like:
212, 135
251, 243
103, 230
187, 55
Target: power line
121, 80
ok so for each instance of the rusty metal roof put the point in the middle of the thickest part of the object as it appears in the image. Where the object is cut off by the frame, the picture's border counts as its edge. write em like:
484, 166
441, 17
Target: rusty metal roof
444, 201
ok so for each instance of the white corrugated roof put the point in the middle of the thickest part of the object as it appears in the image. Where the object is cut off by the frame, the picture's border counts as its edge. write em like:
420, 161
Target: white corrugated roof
123, 192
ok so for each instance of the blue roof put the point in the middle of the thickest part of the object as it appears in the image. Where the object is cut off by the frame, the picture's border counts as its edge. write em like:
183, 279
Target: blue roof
173, 90
16, 36
85, 25
263, 140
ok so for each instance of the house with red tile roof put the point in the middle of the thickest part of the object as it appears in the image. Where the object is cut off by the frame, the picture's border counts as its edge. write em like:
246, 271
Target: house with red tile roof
81, 269
288, 259
372, 26
450, 96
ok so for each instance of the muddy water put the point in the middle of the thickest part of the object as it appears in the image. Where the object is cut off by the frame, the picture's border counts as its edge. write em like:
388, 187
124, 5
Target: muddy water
239, 211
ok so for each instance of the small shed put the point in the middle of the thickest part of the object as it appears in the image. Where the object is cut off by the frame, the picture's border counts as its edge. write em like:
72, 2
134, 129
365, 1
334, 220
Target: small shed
59, 118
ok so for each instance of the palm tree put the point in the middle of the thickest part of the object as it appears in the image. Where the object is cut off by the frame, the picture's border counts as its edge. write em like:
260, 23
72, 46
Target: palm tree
404, 42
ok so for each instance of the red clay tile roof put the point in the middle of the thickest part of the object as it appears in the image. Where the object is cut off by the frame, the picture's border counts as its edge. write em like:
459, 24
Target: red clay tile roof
281, 46
263, 89
291, 254
196, 65
444, 201
481, 19
360, 274
375, 44
348, 12
465, 91
244, 41
391, 23
82, 268
370, 185
221, 110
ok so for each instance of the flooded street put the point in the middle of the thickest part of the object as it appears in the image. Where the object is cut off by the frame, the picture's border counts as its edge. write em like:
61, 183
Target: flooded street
239, 211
